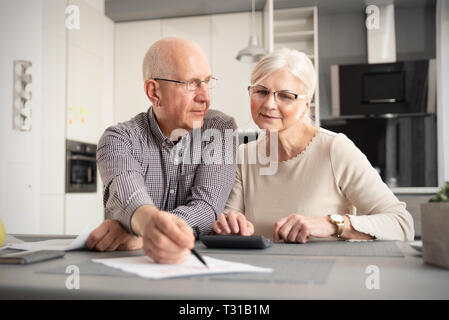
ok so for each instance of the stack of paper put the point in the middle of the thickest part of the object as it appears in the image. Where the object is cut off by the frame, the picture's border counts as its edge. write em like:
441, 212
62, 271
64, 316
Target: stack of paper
144, 267
54, 244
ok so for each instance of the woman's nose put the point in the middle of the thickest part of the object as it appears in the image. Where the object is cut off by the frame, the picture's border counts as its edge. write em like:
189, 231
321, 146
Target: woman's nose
270, 101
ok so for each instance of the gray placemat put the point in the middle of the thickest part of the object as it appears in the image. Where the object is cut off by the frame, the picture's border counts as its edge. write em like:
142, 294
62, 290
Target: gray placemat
304, 270
289, 269
89, 268
319, 248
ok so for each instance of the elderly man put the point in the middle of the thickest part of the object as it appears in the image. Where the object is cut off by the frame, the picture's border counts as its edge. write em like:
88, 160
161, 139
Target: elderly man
154, 195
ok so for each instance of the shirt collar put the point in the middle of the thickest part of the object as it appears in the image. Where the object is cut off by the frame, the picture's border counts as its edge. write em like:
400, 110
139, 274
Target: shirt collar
156, 130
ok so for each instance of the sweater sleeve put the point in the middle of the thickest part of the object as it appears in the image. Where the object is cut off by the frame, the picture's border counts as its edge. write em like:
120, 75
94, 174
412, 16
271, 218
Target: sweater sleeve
379, 212
236, 198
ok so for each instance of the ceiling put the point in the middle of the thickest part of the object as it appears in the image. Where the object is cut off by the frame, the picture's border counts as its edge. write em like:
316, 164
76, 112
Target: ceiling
132, 10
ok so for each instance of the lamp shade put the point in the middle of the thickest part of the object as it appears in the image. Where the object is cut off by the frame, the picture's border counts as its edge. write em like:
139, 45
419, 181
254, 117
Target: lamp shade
253, 52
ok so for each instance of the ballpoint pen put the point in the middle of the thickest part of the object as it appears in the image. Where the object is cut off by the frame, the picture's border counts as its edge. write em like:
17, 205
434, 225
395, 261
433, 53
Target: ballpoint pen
199, 257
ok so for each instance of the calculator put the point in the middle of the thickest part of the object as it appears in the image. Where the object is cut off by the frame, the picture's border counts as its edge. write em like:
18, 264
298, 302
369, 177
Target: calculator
235, 241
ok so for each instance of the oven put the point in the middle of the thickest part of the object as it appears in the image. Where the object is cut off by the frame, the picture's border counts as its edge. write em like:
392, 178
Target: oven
81, 167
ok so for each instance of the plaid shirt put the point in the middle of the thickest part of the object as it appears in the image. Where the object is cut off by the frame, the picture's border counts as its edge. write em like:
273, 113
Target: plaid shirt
139, 165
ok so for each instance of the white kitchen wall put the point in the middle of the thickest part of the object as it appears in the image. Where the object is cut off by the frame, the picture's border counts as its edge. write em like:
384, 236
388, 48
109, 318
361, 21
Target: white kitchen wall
21, 39
220, 36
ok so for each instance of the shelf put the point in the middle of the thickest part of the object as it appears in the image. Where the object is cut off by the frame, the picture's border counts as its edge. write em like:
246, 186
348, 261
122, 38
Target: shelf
293, 14
293, 36
297, 29
378, 116
291, 25
415, 190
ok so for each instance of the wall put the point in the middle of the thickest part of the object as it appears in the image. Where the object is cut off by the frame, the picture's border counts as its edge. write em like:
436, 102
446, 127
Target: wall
220, 36
20, 36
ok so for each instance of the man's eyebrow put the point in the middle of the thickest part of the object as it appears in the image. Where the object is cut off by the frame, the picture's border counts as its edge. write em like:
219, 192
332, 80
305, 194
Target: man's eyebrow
197, 79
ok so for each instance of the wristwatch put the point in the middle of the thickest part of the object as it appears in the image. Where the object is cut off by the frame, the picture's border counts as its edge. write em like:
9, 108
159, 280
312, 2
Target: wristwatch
339, 221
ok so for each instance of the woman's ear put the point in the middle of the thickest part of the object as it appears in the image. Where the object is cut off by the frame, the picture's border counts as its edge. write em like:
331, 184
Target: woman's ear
152, 91
302, 112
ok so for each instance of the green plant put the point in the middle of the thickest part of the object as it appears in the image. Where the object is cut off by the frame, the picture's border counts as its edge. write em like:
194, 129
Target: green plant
442, 195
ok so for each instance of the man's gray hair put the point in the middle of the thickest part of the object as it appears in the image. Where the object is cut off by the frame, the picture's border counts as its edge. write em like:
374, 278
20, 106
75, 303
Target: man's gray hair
155, 63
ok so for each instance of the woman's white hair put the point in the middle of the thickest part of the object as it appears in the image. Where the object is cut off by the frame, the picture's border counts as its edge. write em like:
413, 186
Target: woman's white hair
296, 62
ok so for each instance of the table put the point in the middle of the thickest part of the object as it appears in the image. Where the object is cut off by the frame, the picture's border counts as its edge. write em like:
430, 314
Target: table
349, 277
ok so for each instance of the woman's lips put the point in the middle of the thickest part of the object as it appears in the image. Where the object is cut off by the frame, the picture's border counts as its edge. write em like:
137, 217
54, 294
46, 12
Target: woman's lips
269, 117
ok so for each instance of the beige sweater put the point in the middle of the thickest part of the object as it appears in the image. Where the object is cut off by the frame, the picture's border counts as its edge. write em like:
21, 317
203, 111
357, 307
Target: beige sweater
330, 176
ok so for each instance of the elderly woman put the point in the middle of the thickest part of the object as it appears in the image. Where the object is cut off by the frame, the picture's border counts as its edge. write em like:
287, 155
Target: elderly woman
321, 177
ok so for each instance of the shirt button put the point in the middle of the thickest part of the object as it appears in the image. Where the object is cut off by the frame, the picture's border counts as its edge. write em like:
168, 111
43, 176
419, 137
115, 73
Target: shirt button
172, 191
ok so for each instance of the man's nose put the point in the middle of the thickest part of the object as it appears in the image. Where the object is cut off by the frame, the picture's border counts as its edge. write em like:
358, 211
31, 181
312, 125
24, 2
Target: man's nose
202, 94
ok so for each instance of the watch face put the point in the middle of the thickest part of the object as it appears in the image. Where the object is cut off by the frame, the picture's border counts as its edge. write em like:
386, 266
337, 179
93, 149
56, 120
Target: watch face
337, 218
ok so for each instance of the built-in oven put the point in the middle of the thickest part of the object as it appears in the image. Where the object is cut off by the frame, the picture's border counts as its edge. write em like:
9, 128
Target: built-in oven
81, 167
384, 88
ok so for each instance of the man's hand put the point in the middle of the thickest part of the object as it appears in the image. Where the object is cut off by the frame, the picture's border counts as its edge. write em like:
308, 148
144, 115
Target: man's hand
166, 238
233, 223
111, 236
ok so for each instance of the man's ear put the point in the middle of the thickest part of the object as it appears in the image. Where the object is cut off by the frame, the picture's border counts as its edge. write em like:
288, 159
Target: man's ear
152, 91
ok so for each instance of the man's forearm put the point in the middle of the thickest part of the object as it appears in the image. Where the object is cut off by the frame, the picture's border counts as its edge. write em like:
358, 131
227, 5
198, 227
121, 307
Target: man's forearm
198, 214
141, 216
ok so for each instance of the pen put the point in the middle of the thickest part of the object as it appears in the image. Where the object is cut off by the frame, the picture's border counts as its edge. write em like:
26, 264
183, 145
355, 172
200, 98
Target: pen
199, 257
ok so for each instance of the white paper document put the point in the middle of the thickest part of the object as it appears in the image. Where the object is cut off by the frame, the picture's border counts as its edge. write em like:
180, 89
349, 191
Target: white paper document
55, 244
144, 267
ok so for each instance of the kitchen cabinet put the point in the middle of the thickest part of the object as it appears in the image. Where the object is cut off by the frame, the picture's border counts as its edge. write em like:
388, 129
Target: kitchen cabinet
20, 155
295, 28
89, 103
86, 59
131, 42
230, 33
196, 29
52, 140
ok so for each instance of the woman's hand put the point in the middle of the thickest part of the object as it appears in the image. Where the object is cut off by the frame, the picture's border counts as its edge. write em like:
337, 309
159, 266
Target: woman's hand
298, 228
233, 223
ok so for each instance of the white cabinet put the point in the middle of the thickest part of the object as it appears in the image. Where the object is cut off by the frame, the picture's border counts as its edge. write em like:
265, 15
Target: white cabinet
295, 28
230, 33
86, 60
196, 29
21, 39
52, 141
89, 106
131, 42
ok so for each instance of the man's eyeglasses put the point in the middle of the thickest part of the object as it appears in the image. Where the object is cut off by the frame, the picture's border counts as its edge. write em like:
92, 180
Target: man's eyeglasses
195, 84
282, 97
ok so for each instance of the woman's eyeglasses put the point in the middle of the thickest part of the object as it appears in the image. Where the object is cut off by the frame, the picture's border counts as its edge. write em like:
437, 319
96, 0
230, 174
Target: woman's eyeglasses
282, 97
